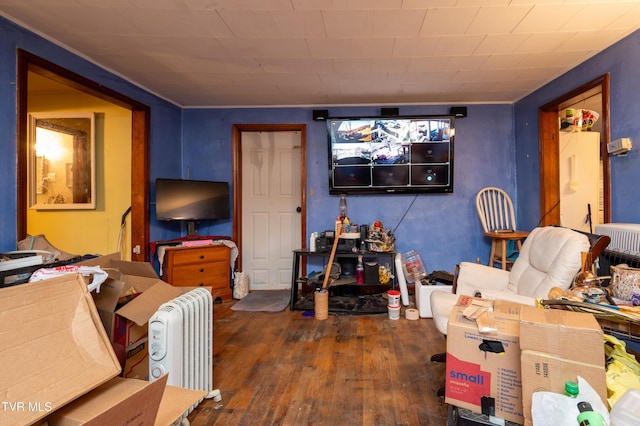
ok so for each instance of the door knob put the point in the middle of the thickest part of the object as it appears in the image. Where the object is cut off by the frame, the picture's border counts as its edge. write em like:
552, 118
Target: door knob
298, 209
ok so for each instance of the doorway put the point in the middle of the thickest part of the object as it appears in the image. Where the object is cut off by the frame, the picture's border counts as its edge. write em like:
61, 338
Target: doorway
549, 129
139, 223
269, 201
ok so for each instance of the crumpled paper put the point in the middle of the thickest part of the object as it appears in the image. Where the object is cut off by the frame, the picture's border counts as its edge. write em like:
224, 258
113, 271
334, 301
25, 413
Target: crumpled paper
554, 409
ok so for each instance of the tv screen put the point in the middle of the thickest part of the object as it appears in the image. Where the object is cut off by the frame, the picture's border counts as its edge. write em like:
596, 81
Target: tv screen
395, 154
191, 200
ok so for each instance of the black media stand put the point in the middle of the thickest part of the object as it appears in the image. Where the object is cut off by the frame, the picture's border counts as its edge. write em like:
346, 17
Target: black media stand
345, 296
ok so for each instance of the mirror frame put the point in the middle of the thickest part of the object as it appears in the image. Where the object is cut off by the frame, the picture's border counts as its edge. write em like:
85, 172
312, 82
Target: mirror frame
34, 118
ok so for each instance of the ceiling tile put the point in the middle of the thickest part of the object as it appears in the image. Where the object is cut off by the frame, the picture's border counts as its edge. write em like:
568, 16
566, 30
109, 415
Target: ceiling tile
372, 23
497, 19
267, 24
448, 21
544, 18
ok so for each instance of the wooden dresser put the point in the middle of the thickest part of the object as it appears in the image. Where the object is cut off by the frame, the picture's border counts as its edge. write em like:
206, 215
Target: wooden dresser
200, 266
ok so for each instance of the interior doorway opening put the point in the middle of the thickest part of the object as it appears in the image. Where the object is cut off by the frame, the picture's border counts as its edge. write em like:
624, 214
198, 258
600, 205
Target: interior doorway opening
549, 131
30, 63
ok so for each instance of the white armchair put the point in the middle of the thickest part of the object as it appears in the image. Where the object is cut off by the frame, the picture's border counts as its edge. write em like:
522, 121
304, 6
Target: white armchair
550, 257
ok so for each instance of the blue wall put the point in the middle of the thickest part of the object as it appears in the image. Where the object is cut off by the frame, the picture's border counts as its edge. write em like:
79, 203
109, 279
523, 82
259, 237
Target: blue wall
492, 143
443, 228
622, 62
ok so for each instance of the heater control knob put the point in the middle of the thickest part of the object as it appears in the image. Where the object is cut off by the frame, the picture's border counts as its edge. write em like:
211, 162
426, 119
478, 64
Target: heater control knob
157, 371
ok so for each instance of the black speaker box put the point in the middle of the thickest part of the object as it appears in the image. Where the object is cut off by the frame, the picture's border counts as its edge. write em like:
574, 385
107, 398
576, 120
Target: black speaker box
389, 112
320, 114
458, 112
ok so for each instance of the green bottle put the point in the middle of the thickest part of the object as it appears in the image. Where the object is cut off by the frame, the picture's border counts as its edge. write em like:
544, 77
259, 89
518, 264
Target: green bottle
571, 388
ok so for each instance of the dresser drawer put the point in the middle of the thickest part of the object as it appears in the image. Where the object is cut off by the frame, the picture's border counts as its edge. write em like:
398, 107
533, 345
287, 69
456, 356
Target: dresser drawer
214, 275
190, 255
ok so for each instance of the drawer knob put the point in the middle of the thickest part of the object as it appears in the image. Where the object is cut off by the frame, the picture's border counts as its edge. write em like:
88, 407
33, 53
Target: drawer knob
201, 284
201, 269
202, 256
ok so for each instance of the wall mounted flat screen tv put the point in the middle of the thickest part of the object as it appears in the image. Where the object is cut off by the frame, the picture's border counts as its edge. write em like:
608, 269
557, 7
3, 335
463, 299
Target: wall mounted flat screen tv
395, 154
191, 200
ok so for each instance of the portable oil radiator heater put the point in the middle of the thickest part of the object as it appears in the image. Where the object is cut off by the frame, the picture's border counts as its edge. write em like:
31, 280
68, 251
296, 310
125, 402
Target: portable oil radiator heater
181, 343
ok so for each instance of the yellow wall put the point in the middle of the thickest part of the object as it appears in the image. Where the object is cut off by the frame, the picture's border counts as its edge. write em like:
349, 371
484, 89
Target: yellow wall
91, 231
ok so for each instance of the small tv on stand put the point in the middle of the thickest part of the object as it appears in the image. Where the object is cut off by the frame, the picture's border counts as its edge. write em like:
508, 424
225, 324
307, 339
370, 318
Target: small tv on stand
191, 201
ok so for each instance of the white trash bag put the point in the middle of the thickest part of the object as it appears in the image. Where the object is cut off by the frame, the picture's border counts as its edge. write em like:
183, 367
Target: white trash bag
240, 285
94, 274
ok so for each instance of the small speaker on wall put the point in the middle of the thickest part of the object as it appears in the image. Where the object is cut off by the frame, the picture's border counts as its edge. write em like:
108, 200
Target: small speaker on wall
320, 114
458, 111
389, 112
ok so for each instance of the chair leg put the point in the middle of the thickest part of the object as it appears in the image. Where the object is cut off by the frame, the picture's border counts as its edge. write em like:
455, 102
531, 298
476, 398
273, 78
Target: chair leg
440, 357
493, 252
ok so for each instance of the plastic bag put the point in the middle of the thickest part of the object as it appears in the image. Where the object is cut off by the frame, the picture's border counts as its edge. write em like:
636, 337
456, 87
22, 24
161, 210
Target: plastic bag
240, 285
623, 371
96, 275
554, 409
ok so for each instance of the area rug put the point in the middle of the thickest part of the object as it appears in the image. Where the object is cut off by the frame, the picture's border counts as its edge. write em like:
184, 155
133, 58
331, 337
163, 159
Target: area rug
263, 301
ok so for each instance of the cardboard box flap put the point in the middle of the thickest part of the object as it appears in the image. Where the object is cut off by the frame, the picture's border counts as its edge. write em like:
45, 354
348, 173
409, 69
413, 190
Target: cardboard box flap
560, 318
139, 269
102, 261
117, 402
560, 332
140, 309
52, 345
175, 402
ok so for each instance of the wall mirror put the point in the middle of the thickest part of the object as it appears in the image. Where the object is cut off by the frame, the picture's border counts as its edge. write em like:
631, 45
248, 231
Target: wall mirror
62, 161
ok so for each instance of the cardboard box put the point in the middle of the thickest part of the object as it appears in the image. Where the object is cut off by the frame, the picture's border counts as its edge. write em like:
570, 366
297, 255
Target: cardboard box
129, 297
126, 283
484, 369
557, 346
126, 401
137, 360
53, 348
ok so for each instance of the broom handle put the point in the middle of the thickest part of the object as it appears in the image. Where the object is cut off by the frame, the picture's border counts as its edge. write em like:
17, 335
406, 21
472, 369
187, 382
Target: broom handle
332, 255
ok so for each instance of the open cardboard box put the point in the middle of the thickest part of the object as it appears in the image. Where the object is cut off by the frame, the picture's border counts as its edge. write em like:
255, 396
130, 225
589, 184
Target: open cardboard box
130, 296
483, 368
55, 350
127, 300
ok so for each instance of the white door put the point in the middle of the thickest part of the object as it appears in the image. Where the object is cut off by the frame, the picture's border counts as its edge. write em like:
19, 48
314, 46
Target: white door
579, 179
271, 227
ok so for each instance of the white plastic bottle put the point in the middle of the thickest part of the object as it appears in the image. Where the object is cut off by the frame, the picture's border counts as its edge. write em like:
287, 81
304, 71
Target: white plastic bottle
626, 411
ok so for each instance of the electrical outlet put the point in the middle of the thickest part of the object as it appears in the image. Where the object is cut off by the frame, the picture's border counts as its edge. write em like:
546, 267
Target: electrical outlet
51, 177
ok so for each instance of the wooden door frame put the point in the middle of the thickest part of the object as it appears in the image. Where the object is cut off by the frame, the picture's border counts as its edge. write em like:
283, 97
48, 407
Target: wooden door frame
549, 135
140, 123
237, 176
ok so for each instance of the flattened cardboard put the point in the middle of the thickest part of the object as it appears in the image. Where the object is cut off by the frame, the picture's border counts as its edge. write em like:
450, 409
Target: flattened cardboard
175, 402
117, 402
53, 348
473, 372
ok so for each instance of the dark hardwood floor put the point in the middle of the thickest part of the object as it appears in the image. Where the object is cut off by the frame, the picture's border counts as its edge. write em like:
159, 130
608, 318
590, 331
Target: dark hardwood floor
286, 369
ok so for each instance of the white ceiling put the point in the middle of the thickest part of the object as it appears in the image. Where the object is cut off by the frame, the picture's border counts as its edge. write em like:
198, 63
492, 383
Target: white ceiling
200, 53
